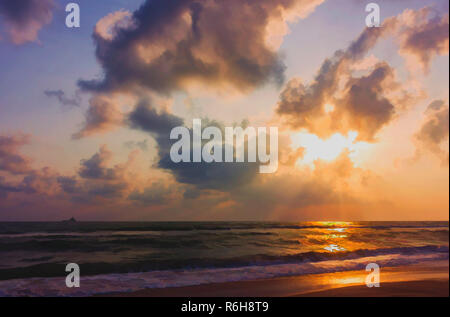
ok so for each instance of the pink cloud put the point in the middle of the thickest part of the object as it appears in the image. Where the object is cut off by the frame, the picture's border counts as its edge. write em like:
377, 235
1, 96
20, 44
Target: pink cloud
24, 19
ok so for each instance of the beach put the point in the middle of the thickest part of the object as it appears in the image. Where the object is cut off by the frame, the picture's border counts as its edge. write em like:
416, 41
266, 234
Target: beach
420, 280
224, 259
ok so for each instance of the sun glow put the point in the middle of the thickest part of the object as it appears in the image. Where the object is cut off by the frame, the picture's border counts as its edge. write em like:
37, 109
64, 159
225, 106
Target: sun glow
329, 149
329, 108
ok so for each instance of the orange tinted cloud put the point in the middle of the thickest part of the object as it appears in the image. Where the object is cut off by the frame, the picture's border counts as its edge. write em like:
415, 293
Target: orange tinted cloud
433, 133
367, 103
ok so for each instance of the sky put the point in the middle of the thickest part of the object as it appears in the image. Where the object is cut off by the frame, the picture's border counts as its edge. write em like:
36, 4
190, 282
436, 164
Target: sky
86, 113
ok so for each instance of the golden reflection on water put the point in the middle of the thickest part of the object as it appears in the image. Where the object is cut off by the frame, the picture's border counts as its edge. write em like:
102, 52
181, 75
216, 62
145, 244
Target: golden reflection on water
332, 223
340, 279
334, 248
334, 235
348, 280
337, 229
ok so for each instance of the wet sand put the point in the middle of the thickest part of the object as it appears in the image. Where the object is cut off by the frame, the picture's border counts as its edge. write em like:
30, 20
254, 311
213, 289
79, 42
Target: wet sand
425, 288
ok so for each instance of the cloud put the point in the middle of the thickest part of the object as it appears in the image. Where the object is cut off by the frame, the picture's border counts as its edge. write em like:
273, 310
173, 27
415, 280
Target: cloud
96, 166
164, 45
88, 191
97, 184
220, 176
364, 104
10, 159
142, 145
6, 188
203, 192
156, 194
109, 26
41, 181
63, 99
17, 165
293, 193
68, 184
147, 118
434, 132
98, 179
424, 36
112, 191
281, 194
25, 18
102, 115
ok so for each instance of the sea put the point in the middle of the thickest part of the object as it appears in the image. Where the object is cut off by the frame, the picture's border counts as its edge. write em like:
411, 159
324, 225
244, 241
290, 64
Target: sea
118, 257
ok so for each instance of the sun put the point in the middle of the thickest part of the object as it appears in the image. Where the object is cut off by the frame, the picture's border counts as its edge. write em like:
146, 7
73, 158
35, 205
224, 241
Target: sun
326, 149
329, 108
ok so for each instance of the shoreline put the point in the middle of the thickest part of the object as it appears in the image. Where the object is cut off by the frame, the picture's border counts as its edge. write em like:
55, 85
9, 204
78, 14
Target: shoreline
431, 279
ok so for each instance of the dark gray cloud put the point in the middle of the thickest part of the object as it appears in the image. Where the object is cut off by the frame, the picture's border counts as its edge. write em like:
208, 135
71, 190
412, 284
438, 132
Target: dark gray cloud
96, 166
163, 44
192, 193
87, 191
220, 176
69, 184
364, 106
215, 175
63, 99
158, 124
23, 19
147, 118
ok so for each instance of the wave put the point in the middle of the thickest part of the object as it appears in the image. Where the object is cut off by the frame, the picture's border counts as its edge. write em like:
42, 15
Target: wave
155, 264
129, 282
